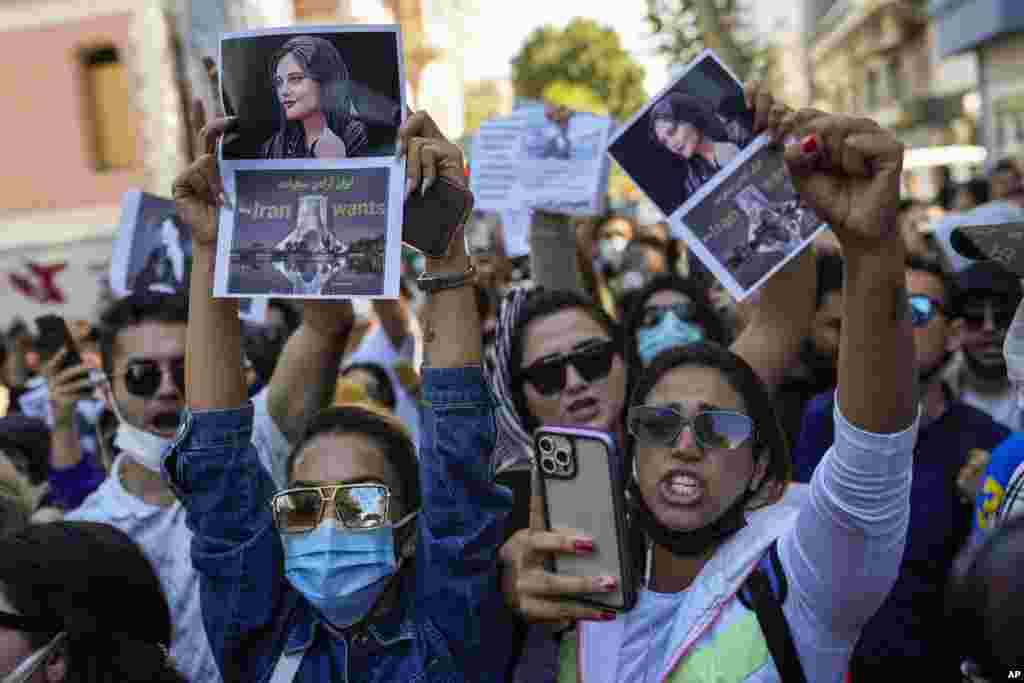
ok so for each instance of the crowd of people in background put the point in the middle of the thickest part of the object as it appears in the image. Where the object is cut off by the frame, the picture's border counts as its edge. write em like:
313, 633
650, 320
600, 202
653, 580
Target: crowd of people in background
333, 496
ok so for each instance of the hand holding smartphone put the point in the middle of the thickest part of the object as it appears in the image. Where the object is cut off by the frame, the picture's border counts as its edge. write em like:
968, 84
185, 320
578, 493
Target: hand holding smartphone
54, 335
432, 220
580, 489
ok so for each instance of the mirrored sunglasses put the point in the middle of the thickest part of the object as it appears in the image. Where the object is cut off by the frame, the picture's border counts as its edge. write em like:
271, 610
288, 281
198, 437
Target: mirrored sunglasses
662, 426
653, 315
356, 506
923, 309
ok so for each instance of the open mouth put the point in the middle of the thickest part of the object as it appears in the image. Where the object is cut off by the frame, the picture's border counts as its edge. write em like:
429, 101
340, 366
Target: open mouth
584, 409
681, 488
167, 421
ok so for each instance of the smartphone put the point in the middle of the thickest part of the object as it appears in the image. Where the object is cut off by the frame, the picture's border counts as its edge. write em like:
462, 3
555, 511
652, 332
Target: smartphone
54, 335
580, 488
431, 221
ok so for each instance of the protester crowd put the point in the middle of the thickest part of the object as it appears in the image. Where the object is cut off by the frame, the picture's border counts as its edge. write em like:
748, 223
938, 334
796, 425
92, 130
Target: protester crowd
821, 482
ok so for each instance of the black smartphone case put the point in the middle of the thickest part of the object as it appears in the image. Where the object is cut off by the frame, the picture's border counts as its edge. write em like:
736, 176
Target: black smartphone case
431, 221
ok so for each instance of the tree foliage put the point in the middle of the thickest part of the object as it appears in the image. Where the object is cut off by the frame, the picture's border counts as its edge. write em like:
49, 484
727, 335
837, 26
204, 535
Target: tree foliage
682, 28
584, 65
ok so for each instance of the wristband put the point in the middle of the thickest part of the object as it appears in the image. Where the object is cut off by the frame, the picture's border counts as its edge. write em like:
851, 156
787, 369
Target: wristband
436, 283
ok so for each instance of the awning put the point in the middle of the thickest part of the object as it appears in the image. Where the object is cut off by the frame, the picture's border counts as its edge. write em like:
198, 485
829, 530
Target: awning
963, 25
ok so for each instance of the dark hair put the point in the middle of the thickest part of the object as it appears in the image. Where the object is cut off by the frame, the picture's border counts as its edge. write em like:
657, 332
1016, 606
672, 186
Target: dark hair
979, 189
680, 108
323, 63
607, 218
292, 318
91, 581
27, 439
985, 598
136, 309
386, 431
907, 205
541, 303
934, 269
706, 316
830, 275
757, 400
1003, 165
383, 379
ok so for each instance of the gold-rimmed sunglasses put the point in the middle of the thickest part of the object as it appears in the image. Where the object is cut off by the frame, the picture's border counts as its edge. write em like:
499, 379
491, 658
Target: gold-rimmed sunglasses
356, 506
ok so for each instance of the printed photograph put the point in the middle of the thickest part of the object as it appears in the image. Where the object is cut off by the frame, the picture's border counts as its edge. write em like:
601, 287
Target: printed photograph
685, 135
153, 250
309, 233
567, 137
313, 94
752, 221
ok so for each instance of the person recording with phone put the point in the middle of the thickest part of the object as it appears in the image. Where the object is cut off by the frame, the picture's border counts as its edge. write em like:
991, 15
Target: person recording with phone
703, 444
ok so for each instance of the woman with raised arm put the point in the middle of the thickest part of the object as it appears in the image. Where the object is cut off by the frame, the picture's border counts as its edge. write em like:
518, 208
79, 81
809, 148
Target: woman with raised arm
780, 592
370, 565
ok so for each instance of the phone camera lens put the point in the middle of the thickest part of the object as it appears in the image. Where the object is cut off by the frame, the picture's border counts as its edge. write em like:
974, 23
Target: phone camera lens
562, 457
548, 465
546, 445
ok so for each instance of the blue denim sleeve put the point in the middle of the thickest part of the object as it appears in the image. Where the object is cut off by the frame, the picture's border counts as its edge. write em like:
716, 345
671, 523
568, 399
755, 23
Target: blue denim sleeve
462, 522
215, 472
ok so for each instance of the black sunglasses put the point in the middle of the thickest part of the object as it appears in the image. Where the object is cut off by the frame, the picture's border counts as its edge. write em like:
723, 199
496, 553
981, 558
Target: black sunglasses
1002, 315
662, 425
653, 315
923, 309
143, 377
593, 362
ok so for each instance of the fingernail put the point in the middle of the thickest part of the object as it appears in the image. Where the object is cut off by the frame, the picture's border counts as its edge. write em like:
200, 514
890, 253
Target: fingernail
809, 145
609, 583
410, 185
583, 546
426, 186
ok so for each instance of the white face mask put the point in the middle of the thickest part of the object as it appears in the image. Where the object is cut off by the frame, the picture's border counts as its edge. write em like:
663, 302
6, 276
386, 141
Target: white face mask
144, 447
1013, 352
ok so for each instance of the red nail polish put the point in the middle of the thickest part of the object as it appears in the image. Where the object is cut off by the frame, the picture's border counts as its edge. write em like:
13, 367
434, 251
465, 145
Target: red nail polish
809, 145
608, 583
608, 616
583, 546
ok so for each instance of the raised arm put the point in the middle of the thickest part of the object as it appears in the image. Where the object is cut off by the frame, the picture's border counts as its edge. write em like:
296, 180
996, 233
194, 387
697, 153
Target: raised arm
462, 521
306, 373
843, 555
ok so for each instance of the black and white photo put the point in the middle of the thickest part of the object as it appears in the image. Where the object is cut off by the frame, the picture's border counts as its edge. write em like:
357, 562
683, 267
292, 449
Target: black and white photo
153, 251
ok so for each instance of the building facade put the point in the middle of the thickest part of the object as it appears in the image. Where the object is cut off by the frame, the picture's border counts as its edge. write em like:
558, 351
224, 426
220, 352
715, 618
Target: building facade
991, 32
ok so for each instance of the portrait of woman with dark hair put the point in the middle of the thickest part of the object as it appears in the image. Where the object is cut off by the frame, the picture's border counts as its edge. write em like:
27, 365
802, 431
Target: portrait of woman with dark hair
167, 265
692, 131
317, 115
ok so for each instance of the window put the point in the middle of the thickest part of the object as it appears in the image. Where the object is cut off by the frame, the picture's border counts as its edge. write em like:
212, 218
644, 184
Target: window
316, 10
871, 91
111, 123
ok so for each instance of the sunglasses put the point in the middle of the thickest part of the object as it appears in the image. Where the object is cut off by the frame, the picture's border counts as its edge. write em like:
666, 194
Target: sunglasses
593, 362
653, 315
143, 377
356, 506
923, 309
662, 425
975, 316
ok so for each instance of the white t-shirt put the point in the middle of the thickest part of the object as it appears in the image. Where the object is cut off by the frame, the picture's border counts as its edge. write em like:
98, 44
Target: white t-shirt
162, 534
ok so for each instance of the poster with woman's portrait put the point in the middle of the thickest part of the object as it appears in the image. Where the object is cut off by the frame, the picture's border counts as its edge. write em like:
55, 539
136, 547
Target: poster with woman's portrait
727, 193
309, 234
313, 93
153, 251
693, 129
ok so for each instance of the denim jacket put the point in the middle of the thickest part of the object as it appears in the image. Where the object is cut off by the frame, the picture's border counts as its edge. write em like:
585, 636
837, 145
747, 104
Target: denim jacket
450, 623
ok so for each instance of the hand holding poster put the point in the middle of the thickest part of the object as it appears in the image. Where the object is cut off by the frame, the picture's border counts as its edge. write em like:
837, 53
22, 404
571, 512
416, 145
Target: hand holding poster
315, 192
727, 193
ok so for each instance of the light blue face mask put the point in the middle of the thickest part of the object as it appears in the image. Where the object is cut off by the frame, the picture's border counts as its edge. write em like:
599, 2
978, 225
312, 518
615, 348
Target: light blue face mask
669, 332
340, 571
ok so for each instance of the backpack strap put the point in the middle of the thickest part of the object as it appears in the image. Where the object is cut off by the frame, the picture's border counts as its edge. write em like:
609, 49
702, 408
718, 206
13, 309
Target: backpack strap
764, 592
